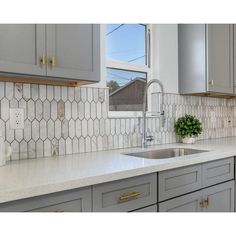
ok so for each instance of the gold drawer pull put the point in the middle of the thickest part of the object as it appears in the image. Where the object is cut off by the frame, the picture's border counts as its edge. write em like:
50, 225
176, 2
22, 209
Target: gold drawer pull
53, 61
129, 196
59, 211
42, 60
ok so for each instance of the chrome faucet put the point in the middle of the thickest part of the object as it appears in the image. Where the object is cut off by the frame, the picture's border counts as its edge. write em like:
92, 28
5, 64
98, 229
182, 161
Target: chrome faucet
145, 139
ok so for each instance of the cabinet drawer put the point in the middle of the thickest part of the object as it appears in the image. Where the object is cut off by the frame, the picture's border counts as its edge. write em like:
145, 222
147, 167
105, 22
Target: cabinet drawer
72, 206
177, 182
72, 200
125, 195
152, 208
217, 171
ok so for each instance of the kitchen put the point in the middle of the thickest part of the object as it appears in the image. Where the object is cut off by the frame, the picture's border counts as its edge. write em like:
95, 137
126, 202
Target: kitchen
124, 117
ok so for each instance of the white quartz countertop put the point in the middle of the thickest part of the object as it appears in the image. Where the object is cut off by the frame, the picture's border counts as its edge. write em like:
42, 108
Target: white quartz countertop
29, 178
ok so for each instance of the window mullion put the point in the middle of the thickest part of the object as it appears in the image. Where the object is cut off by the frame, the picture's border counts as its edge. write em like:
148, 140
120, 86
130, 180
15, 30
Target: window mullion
126, 66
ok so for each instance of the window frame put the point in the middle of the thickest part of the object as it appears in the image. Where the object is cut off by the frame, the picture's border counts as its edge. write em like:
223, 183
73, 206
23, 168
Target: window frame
115, 64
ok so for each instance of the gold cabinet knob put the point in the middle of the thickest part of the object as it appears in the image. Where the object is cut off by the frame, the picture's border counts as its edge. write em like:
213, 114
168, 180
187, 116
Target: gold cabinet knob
52, 61
211, 82
207, 202
204, 203
42, 60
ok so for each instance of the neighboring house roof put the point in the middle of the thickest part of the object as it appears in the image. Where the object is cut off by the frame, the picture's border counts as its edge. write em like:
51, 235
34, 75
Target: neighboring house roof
130, 94
128, 84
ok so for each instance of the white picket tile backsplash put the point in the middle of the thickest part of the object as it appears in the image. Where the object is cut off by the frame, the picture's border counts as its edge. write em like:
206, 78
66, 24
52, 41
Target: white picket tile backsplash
66, 120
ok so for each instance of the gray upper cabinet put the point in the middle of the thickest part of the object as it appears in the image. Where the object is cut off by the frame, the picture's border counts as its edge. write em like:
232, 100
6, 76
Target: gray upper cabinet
73, 51
206, 59
68, 52
22, 47
220, 58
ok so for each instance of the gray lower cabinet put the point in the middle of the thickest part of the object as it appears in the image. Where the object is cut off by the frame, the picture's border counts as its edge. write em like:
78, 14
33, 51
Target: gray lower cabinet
206, 59
22, 46
152, 208
73, 51
219, 198
125, 195
77, 200
184, 180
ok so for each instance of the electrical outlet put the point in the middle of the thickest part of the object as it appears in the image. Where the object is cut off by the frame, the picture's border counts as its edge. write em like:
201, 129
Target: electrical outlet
17, 118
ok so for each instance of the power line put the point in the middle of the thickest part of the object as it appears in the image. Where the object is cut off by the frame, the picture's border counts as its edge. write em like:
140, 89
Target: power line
125, 51
114, 29
119, 76
136, 58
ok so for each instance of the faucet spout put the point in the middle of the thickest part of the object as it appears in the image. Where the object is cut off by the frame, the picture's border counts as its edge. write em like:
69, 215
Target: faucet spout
162, 113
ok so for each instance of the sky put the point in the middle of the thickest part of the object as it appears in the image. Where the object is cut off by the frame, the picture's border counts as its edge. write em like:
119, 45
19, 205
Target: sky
125, 42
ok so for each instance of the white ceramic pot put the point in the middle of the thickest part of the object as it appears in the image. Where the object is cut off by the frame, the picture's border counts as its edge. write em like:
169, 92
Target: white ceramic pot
189, 140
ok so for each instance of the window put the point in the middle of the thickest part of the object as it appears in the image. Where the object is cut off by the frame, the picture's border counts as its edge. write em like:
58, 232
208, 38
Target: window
127, 65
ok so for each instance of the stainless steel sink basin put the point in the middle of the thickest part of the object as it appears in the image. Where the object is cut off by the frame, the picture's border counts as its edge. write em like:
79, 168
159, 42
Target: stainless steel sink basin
166, 153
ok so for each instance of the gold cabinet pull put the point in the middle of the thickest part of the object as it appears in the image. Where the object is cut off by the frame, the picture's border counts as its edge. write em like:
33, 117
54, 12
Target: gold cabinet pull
53, 61
211, 82
42, 60
59, 211
129, 196
202, 203
207, 202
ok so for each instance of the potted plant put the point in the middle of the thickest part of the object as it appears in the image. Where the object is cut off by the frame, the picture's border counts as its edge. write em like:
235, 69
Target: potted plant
188, 127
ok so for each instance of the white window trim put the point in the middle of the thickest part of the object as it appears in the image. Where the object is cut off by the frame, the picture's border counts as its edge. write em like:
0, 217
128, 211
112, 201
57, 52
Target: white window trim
133, 67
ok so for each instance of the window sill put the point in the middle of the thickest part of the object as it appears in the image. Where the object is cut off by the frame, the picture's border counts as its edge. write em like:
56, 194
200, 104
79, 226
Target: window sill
131, 114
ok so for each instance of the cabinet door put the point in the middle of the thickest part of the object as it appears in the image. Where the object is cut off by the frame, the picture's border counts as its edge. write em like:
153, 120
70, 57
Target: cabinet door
186, 203
234, 58
21, 46
220, 58
152, 208
220, 197
75, 50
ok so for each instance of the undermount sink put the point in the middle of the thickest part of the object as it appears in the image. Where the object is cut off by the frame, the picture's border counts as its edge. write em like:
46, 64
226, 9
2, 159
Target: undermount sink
166, 153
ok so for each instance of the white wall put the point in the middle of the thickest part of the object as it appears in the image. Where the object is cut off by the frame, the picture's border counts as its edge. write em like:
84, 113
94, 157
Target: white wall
165, 55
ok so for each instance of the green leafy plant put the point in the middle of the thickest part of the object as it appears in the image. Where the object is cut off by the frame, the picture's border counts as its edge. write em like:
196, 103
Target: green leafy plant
188, 126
